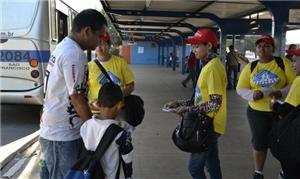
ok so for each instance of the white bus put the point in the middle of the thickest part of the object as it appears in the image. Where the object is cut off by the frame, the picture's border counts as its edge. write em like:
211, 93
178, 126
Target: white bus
29, 30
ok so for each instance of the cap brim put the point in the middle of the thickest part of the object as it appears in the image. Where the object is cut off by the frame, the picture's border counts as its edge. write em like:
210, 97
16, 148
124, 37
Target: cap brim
268, 41
193, 40
293, 52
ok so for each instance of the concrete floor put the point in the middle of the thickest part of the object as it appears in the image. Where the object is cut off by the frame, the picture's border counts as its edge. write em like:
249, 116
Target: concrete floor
156, 157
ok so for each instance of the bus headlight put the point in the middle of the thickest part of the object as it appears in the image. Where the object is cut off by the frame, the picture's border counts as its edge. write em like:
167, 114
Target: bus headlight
35, 73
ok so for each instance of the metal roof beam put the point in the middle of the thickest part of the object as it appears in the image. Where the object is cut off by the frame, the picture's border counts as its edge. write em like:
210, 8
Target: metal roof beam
163, 24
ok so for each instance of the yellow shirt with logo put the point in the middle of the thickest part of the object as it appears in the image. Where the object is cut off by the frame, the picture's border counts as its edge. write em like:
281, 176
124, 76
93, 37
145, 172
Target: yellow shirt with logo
293, 97
213, 80
118, 70
265, 77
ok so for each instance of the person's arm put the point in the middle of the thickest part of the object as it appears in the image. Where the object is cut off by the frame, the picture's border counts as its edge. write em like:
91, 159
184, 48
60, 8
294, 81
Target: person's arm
126, 151
213, 105
282, 109
81, 106
128, 89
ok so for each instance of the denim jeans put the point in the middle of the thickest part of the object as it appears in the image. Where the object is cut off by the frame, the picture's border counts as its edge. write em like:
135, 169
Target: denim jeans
210, 159
59, 156
232, 81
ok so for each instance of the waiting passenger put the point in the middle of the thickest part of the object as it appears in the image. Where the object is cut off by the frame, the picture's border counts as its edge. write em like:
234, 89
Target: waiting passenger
210, 99
258, 83
288, 54
65, 105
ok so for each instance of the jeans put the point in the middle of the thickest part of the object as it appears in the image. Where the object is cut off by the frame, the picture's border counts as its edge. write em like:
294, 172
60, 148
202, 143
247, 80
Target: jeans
232, 81
210, 159
59, 156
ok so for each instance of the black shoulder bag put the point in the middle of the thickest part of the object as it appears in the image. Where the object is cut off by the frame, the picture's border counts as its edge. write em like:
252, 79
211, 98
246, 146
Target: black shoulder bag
194, 133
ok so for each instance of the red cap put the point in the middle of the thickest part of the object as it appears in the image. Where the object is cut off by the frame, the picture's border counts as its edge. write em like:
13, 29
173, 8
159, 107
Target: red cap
203, 36
106, 37
294, 52
265, 38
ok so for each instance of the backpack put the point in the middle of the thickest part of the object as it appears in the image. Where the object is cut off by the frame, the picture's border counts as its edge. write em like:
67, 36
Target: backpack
89, 166
194, 133
278, 60
134, 105
285, 138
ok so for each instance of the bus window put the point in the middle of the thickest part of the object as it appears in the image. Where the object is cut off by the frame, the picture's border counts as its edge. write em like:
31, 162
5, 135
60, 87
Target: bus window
62, 25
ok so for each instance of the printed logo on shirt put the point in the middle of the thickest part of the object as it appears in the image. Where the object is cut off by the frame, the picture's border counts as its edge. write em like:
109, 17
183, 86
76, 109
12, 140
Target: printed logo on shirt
102, 78
266, 79
198, 96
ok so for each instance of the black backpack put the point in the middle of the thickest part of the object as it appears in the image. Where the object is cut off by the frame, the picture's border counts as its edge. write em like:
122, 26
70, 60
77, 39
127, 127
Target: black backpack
134, 105
285, 138
89, 165
194, 133
278, 60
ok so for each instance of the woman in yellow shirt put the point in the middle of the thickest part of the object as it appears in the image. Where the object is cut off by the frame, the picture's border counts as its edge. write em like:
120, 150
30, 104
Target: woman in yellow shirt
259, 81
210, 99
292, 100
116, 67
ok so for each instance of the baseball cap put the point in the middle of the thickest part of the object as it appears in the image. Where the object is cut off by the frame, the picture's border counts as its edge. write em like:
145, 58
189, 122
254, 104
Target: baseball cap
294, 52
265, 38
203, 36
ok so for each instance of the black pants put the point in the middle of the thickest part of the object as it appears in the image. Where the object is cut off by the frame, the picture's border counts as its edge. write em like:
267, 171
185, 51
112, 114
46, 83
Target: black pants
290, 171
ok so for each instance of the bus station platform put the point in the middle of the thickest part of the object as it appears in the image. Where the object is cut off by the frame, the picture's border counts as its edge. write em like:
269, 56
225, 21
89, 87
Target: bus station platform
155, 155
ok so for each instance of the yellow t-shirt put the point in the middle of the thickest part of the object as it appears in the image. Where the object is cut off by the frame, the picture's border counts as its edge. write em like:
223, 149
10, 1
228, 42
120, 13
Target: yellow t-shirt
213, 80
265, 77
117, 69
293, 97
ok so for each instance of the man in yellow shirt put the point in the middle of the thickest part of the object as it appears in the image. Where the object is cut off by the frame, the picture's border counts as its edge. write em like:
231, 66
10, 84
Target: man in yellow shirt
258, 83
116, 67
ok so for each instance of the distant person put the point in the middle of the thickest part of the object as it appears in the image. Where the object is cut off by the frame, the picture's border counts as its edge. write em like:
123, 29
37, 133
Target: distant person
290, 171
233, 65
170, 62
291, 48
109, 103
65, 86
259, 82
192, 70
210, 99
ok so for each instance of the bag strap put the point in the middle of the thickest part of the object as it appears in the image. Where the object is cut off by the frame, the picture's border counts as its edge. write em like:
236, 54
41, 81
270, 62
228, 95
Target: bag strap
278, 60
109, 135
103, 70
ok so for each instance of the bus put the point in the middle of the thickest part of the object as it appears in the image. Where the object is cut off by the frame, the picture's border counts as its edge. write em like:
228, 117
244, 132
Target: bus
29, 31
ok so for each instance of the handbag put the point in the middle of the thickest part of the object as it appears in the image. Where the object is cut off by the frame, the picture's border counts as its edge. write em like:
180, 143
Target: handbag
194, 132
133, 104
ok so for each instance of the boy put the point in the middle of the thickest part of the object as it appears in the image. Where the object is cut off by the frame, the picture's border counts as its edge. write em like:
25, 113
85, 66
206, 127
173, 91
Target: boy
109, 103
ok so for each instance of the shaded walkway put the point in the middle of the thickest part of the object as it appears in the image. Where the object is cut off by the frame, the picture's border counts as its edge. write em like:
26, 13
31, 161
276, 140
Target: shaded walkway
155, 154
156, 157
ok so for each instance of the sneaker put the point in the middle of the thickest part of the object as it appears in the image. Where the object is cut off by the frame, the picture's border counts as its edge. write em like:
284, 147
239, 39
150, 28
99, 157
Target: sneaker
183, 84
258, 176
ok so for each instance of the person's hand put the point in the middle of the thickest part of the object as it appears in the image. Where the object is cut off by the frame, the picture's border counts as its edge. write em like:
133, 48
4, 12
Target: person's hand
257, 95
276, 94
182, 110
172, 104
93, 106
273, 101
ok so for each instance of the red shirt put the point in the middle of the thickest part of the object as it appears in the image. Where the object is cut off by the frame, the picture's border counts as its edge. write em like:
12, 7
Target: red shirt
192, 60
